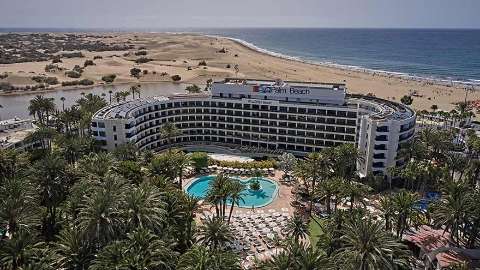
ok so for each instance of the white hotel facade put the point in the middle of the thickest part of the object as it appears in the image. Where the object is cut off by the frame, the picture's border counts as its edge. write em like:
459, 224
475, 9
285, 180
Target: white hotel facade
270, 117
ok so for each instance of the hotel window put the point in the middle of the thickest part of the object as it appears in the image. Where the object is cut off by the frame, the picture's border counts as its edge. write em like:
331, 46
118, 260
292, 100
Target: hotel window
114, 137
114, 128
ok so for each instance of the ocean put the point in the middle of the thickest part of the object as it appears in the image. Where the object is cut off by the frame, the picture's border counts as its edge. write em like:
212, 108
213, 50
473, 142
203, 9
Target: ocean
450, 55
439, 54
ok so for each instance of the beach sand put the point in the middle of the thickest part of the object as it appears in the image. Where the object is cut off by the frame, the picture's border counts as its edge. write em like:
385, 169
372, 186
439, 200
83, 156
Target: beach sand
180, 54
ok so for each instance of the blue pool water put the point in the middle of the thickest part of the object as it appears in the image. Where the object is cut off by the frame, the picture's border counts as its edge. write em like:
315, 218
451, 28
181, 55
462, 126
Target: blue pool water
199, 188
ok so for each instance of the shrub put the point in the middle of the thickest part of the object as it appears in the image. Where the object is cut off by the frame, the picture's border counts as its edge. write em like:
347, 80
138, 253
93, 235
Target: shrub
176, 78
85, 82
145, 72
246, 165
3, 76
38, 79
78, 69
142, 60
73, 74
222, 50
199, 160
109, 78
5, 86
51, 80
57, 60
88, 63
228, 66
140, 53
135, 72
236, 55
142, 48
69, 83
193, 89
97, 57
73, 55
202, 63
51, 68
407, 100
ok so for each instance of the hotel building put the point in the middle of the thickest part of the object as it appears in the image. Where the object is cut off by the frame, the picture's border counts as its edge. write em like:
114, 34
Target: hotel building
264, 118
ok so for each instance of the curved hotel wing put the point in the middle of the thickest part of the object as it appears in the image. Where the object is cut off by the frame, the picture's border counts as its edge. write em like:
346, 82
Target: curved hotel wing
265, 117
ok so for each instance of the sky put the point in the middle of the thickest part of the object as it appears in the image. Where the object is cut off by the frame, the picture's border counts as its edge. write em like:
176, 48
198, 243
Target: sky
157, 14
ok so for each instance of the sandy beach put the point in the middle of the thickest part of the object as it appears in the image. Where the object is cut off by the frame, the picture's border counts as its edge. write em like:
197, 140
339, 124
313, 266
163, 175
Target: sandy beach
180, 54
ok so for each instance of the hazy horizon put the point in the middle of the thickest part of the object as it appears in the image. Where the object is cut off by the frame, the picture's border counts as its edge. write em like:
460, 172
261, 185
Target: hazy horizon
189, 14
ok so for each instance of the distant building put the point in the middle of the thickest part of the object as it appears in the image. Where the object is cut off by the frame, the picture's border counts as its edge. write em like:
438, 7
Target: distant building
265, 118
13, 133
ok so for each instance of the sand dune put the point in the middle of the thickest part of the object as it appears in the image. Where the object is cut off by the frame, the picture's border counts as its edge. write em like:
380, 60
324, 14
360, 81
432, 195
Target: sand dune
181, 53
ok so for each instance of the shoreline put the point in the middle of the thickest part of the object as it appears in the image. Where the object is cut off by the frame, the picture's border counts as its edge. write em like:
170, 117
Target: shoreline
387, 74
181, 54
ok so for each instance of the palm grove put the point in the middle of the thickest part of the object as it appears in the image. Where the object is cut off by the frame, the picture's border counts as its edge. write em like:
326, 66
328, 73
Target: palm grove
69, 205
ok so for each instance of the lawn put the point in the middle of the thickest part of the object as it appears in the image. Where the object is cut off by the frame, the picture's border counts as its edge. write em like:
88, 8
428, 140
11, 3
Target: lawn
315, 230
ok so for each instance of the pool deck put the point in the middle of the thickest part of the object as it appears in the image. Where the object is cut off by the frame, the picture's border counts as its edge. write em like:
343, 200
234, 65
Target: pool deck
283, 199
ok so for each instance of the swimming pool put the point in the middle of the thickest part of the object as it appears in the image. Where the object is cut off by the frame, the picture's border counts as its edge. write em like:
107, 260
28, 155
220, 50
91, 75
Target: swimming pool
259, 198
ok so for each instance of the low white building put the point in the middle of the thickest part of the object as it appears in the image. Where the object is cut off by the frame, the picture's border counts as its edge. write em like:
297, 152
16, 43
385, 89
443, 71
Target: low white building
265, 118
13, 133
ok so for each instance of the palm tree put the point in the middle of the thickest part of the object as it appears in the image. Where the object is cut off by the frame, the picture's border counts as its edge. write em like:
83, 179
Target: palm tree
63, 103
388, 209
214, 233
168, 131
365, 245
73, 249
450, 212
236, 190
133, 89
327, 189
280, 261
217, 194
311, 258
44, 135
406, 211
144, 207
100, 214
190, 206
14, 252
356, 191
297, 227
201, 258
41, 107
141, 250
181, 162
312, 170
49, 175
12, 164
18, 205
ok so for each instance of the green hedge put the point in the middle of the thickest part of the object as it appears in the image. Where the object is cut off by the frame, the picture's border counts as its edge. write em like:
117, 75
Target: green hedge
263, 164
